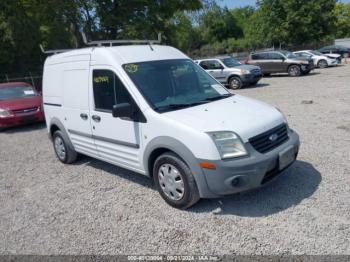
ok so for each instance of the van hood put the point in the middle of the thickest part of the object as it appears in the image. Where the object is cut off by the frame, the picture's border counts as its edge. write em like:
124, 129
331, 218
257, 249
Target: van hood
244, 116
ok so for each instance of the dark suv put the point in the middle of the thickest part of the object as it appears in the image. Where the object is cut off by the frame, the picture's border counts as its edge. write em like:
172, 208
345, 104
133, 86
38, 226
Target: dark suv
281, 61
335, 49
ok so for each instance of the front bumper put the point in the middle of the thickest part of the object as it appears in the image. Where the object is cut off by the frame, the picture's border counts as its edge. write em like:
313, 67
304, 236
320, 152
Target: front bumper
242, 174
307, 68
250, 78
16, 120
333, 62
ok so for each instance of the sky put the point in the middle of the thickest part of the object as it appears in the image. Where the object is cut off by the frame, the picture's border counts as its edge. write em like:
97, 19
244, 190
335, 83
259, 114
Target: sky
240, 3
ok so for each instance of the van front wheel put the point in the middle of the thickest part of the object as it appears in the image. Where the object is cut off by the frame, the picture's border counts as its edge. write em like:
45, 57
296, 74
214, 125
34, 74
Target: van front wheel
63, 152
174, 181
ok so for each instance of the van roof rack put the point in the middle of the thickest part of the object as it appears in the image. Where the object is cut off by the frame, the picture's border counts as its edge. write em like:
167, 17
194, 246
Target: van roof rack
56, 51
105, 42
121, 42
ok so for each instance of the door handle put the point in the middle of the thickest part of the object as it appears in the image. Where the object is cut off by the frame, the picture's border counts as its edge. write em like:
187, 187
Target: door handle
96, 118
83, 116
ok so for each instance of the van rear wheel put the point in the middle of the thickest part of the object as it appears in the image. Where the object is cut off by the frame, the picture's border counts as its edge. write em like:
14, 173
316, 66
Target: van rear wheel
63, 152
174, 181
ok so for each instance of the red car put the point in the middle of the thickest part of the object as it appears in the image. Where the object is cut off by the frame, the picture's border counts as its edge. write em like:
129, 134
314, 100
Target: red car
20, 104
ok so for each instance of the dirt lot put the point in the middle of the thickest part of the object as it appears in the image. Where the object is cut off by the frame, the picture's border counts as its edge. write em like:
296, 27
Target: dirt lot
95, 208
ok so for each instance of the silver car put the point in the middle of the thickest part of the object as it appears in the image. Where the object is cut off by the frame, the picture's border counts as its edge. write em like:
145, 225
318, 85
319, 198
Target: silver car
229, 71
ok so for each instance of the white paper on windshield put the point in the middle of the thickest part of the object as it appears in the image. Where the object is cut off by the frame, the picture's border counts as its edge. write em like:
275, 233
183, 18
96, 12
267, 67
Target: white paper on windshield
28, 92
221, 90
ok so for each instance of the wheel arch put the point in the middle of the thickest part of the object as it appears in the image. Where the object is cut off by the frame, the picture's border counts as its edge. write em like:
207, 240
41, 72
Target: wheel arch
163, 144
231, 76
56, 124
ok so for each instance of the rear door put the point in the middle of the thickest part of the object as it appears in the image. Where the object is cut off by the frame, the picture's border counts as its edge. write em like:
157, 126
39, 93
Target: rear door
277, 62
117, 140
215, 68
262, 60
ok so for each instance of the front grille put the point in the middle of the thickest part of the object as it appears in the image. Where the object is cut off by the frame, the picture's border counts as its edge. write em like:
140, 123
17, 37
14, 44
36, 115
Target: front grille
25, 110
270, 139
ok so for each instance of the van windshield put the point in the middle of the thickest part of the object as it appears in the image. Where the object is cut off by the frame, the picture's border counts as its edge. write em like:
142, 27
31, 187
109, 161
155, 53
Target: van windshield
15, 92
174, 84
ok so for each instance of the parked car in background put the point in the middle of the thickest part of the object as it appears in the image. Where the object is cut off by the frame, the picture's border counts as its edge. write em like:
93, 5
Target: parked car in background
20, 104
334, 56
319, 59
335, 49
281, 61
229, 71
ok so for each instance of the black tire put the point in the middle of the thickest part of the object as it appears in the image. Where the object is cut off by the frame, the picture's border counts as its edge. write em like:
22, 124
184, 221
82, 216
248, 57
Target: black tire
322, 63
190, 196
235, 82
70, 154
294, 70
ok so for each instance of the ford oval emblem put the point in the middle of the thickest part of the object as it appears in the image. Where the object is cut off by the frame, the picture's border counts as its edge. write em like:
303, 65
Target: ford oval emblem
273, 137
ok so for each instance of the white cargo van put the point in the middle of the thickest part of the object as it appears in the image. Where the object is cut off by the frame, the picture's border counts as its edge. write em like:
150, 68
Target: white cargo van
152, 110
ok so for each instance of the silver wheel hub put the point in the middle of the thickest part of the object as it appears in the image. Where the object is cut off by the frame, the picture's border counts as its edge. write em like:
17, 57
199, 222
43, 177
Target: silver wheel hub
60, 148
235, 83
294, 70
171, 182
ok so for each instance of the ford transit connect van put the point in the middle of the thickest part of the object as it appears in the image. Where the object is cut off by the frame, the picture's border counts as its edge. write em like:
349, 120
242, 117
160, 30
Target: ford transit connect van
152, 110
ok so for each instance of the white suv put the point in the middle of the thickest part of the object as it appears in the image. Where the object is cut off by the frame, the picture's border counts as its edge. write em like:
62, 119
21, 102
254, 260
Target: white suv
152, 110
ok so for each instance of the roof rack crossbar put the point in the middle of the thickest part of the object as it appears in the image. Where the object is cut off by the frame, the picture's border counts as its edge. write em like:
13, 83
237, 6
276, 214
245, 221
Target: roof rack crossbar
57, 51
111, 42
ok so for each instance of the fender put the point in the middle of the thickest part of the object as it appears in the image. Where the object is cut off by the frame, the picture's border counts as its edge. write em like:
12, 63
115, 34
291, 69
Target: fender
183, 152
58, 123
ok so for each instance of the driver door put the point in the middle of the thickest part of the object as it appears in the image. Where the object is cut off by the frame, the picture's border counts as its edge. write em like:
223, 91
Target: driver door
117, 140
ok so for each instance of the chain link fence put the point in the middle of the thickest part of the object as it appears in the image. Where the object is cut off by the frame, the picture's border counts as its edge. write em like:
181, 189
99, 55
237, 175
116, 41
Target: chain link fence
34, 79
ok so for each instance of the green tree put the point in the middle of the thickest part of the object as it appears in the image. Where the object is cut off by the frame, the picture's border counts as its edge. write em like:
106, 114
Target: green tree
342, 25
219, 24
293, 22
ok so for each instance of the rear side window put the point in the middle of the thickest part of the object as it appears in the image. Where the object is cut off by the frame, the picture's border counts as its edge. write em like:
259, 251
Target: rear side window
260, 56
275, 56
211, 64
108, 90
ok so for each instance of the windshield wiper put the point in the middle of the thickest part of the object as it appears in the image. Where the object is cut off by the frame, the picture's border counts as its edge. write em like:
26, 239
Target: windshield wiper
178, 106
218, 97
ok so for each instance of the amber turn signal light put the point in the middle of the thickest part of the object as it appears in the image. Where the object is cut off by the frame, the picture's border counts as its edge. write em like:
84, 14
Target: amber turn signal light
207, 165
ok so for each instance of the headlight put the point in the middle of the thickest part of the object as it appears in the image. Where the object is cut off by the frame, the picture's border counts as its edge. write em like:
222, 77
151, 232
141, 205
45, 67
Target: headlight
228, 144
245, 71
4, 113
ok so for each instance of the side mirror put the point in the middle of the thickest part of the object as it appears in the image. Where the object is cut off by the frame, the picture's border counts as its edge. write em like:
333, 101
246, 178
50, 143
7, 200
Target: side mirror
123, 110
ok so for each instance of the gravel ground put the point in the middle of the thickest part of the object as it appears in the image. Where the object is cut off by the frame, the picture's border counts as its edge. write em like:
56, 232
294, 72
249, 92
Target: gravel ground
95, 208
